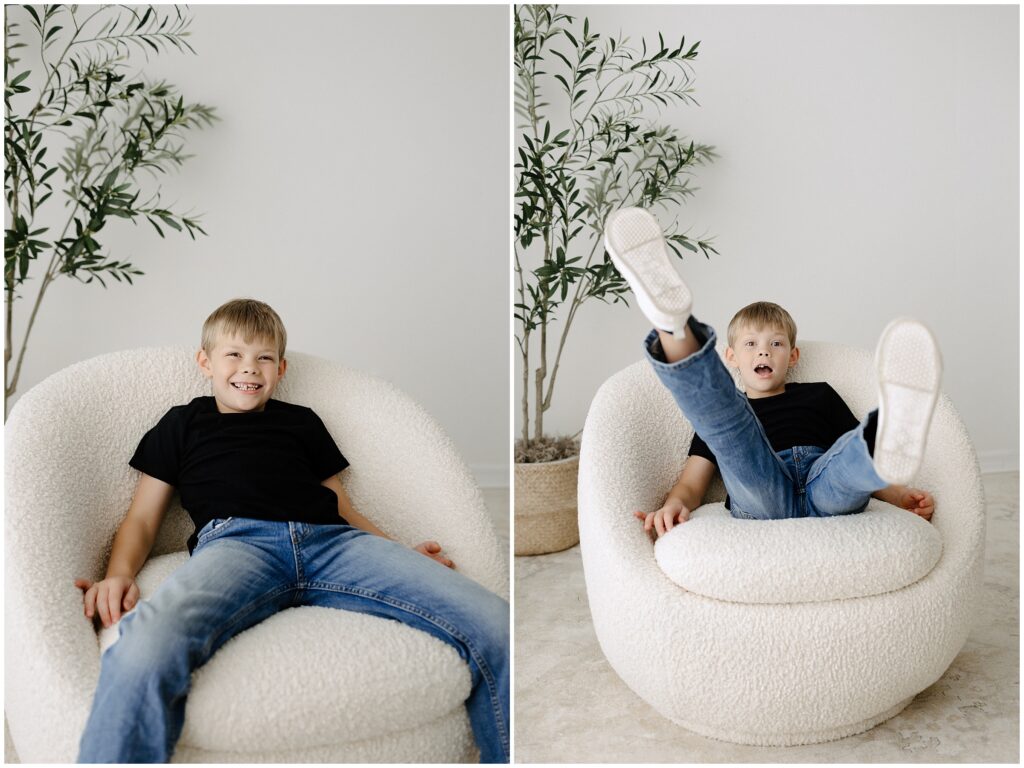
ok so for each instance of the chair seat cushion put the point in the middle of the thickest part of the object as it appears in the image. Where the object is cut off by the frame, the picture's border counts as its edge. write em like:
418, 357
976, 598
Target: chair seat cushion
312, 676
798, 560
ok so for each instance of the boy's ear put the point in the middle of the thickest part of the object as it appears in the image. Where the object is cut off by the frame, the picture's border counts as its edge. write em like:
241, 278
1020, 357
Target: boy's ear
282, 368
730, 356
794, 356
203, 361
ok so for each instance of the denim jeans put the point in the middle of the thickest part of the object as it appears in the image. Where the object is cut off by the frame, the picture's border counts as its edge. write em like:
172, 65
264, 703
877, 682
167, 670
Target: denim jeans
241, 572
802, 481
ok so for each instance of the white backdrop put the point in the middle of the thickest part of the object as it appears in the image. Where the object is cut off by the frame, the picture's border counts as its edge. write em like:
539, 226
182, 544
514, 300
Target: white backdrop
869, 169
358, 182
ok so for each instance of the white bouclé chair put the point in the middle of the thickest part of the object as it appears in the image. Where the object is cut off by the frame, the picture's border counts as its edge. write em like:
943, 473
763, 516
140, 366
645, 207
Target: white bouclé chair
307, 685
779, 632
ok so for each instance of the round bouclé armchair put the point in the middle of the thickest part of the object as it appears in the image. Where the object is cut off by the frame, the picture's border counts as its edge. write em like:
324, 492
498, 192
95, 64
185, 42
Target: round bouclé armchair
779, 632
308, 684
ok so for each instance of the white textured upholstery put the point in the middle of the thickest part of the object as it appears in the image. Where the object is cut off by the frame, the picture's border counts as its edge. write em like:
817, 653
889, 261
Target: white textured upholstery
308, 684
798, 560
759, 671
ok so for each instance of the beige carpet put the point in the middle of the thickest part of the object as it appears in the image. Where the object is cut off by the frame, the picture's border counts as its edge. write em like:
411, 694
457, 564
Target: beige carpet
570, 706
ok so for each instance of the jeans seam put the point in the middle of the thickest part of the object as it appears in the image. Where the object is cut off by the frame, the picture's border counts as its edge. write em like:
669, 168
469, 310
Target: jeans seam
799, 480
485, 670
299, 573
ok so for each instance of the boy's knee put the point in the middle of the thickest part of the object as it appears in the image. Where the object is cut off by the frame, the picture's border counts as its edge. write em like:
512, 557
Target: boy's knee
496, 616
483, 617
147, 644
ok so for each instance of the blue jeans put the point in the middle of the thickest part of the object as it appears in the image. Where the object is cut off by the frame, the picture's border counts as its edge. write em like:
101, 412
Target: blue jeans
243, 571
803, 481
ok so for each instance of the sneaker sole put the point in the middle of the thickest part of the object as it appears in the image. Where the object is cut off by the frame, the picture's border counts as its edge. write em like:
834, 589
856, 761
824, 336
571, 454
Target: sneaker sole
637, 248
909, 367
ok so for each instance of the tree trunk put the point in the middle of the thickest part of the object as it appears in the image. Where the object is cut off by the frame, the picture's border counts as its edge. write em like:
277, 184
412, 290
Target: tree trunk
541, 374
526, 391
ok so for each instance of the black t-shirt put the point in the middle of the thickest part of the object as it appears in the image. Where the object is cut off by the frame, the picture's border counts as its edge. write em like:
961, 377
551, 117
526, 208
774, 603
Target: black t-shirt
805, 414
266, 465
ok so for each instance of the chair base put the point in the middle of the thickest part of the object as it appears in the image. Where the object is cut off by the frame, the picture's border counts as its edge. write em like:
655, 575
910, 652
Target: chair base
793, 739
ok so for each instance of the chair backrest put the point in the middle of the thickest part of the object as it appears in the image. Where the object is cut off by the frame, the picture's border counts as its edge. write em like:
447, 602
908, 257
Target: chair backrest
69, 440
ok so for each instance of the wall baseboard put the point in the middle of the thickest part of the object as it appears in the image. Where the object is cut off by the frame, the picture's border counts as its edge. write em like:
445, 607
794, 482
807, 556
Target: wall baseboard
490, 475
999, 461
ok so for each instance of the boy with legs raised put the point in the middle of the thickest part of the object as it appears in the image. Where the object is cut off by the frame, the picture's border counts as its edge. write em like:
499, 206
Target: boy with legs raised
784, 450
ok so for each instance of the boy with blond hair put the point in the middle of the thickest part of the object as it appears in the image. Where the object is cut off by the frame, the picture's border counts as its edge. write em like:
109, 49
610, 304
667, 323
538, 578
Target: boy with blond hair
784, 450
259, 477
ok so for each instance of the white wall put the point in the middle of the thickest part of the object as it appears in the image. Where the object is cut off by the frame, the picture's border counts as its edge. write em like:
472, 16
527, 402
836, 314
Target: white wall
869, 169
358, 183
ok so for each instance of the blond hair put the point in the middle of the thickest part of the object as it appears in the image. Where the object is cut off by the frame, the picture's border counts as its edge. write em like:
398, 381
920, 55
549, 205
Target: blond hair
763, 314
250, 318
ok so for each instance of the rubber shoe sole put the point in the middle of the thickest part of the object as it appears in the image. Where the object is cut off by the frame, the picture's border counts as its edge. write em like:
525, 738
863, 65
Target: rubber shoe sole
909, 367
638, 250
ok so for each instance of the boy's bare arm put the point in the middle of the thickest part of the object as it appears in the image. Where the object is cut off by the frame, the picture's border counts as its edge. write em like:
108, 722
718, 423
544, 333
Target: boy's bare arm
346, 510
914, 500
133, 542
686, 495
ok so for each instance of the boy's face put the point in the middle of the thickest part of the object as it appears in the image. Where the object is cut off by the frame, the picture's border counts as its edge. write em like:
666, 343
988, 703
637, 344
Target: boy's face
763, 355
244, 376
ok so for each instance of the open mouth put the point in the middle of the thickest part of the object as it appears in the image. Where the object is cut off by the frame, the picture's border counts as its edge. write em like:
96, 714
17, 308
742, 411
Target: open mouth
764, 371
243, 387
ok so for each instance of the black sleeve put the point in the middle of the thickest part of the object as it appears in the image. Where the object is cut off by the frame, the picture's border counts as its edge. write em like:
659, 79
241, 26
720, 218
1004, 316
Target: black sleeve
324, 456
699, 448
160, 450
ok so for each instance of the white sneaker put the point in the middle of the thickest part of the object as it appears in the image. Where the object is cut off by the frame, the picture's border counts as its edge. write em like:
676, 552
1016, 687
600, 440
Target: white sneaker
909, 370
638, 250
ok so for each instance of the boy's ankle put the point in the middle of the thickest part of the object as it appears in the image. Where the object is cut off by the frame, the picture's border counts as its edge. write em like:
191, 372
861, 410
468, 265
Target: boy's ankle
667, 348
675, 349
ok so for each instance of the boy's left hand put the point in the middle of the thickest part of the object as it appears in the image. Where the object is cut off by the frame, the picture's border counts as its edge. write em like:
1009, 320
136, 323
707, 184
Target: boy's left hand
917, 501
433, 550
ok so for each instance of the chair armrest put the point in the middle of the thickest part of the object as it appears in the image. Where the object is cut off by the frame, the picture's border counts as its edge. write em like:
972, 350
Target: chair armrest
406, 474
51, 538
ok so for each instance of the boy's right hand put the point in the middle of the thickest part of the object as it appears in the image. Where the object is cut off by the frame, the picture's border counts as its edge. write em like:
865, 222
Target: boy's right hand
662, 520
109, 597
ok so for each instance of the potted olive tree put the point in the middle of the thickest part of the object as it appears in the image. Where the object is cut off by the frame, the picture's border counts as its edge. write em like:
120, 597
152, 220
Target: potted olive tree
587, 144
74, 106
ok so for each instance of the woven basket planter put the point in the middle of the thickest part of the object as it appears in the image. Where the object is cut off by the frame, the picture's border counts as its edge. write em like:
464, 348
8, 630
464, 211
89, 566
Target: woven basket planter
545, 506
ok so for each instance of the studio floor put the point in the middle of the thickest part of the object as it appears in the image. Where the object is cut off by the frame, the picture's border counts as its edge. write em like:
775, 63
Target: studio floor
571, 707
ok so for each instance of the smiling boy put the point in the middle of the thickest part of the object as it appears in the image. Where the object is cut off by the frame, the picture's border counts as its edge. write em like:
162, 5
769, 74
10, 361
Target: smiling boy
259, 478
784, 450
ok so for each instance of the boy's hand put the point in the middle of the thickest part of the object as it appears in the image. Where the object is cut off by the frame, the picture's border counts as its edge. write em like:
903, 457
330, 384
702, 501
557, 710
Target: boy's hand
917, 501
109, 597
662, 520
433, 550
